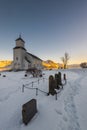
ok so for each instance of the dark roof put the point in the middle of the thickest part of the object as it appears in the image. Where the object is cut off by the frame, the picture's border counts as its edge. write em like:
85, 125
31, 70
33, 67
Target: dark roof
34, 56
20, 39
27, 59
17, 47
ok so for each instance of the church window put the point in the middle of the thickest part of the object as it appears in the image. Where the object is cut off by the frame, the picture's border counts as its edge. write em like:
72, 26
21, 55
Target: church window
16, 58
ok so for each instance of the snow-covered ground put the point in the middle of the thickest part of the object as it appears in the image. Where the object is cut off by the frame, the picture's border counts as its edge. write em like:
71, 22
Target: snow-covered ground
68, 112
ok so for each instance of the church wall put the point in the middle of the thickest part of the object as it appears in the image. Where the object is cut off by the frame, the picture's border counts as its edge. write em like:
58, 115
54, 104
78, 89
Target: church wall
18, 58
37, 63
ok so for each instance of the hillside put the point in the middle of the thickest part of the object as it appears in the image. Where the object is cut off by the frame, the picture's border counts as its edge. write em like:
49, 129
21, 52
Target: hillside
49, 64
5, 65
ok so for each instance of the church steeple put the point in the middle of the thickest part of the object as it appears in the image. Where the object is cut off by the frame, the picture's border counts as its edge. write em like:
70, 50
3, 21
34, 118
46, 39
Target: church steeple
20, 35
19, 38
20, 42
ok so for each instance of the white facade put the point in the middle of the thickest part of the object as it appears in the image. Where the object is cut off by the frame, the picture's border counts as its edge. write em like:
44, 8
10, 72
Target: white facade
23, 60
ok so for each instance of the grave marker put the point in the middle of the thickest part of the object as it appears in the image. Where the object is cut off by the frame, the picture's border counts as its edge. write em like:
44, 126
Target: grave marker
29, 109
52, 85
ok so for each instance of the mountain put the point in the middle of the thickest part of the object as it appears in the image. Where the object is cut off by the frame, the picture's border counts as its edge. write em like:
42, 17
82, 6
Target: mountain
49, 64
5, 65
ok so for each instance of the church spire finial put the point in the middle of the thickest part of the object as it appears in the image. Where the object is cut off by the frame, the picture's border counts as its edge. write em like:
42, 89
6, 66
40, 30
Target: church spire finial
20, 35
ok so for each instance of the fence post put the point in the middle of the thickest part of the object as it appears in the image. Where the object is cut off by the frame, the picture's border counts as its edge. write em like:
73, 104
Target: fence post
43, 79
56, 96
38, 81
36, 91
32, 84
64, 77
23, 88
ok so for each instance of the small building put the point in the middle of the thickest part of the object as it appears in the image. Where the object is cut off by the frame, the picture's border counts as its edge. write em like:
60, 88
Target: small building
22, 59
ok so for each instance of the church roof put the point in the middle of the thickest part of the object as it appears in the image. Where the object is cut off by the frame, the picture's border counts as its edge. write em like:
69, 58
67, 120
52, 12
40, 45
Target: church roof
20, 39
34, 56
27, 60
17, 47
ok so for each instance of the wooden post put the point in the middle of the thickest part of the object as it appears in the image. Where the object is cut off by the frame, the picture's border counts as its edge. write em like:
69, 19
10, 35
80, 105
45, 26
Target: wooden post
32, 84
64, 78
43, 79
38, 81
23, 88
36, 91
56, 96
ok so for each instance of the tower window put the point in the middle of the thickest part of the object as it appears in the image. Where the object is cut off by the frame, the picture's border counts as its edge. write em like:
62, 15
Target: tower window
16, 58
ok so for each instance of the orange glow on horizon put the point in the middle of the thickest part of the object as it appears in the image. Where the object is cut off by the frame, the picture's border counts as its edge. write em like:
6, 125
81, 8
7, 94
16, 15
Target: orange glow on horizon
5, 63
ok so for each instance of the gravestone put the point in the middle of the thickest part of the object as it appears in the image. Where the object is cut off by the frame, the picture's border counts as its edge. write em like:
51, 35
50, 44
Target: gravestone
29, 109
52, 85
57, 80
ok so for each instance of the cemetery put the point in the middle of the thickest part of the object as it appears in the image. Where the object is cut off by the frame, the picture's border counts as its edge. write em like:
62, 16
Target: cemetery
28, 102
30, 108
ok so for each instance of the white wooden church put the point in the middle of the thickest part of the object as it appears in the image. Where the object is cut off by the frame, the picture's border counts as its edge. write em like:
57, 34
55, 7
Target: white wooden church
23, 60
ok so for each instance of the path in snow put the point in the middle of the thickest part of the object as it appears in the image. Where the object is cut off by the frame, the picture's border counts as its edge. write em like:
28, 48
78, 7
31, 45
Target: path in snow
70, 108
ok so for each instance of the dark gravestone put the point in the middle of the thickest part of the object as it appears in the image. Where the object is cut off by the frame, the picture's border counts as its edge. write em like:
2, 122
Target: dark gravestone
60, 79
52, 85
57, 80
29, 109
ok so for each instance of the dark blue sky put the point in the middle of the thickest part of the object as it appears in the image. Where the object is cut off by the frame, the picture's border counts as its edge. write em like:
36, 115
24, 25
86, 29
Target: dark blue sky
49, 27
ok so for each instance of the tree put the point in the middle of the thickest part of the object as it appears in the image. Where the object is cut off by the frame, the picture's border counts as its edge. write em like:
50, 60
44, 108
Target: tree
65, 60
83, 65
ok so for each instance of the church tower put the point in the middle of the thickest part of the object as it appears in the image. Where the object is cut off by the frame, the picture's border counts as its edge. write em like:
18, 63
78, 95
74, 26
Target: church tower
19, 52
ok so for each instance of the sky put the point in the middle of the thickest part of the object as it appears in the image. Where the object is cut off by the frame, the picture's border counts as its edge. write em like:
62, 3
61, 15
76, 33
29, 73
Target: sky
49, 28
